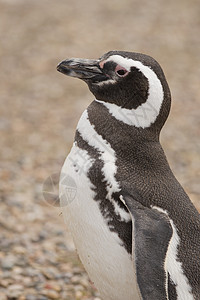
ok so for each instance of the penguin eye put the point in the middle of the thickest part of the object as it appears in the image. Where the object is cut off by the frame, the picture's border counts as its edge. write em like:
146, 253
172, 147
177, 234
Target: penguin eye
120, 71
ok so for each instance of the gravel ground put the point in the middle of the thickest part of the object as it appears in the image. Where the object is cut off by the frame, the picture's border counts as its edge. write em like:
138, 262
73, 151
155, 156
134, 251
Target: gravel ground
40, 108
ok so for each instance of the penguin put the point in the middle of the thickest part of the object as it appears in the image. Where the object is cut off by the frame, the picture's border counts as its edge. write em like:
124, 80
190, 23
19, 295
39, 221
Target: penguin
135, 229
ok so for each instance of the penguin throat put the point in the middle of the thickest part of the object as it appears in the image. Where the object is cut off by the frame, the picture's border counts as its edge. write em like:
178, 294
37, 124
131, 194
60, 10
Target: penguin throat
141, 117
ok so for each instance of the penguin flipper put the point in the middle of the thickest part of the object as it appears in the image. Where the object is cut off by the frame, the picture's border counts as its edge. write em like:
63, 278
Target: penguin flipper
151, 235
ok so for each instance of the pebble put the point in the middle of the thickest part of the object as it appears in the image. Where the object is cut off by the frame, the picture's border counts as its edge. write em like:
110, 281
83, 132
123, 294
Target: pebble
3, 296
84, 282
35, 297
31, 297
75, 279
55, 287
50, 294
19, 249
79, 294
17, 270
27, 281
49, 273
5, 282
78, 287
14, 294
8, 262
15, 287
21, 261
22, 297
6, 274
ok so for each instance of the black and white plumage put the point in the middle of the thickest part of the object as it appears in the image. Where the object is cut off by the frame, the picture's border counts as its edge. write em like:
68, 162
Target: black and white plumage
135, 229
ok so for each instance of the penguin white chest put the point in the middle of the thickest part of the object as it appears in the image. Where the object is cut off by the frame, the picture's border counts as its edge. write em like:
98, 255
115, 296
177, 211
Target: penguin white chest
105, 259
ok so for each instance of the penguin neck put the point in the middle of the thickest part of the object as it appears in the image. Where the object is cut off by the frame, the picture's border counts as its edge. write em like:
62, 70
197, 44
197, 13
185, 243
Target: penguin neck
118, 133
130, 144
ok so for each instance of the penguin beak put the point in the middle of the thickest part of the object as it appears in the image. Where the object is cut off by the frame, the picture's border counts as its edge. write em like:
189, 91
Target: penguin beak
85, 69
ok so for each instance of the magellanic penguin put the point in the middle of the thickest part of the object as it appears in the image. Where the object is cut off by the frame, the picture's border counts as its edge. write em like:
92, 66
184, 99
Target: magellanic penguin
135, 229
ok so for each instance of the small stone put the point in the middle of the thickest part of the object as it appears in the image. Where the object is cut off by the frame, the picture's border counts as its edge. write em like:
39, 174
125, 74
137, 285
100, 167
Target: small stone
19, 250
14, 294
31, 272
75, 279
15, 287
3, 296
17, 270
67, 275
51, 294
55, 287
43, 235
22, 297
19, 228
27, 281
22, 261
84, 282
49, 273
66, 280
7, 275
8, 262
4, 283
78, 287
67, 295
31, 297
79, 294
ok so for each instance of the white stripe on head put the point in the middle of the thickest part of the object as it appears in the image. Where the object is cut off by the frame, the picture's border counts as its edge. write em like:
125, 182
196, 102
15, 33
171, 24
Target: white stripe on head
145, 114
174, 266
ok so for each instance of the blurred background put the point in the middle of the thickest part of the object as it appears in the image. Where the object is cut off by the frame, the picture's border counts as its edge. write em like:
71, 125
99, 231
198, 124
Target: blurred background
39, 110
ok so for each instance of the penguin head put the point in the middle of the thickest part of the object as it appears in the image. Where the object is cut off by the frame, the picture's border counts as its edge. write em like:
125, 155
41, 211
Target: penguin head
131, 85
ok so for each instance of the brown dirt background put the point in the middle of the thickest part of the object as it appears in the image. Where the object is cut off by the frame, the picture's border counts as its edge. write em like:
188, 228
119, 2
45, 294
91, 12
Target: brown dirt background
39, 109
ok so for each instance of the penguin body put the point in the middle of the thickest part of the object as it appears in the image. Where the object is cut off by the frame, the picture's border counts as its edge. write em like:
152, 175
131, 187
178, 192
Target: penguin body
135, 229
